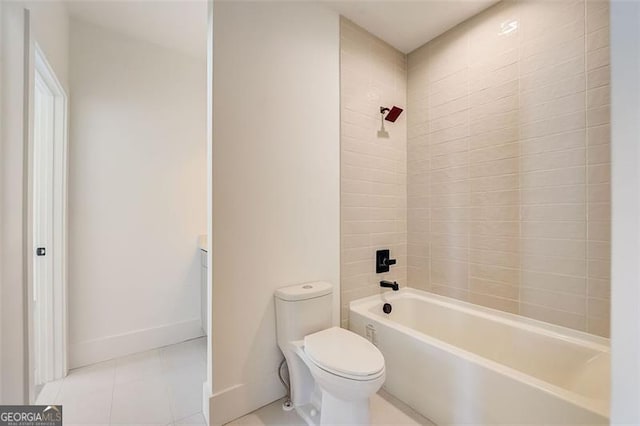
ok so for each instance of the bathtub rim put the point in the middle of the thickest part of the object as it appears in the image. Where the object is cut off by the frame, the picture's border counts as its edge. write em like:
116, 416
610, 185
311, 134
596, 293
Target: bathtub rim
601, 407
593, 341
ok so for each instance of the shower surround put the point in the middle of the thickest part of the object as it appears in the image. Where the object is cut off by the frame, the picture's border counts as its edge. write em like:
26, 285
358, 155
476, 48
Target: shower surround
507, 170
509, 165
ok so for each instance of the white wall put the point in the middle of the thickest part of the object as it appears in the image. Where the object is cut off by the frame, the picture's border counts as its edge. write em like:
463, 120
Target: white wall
50, 25
13, 309
625, 282
137, 194
276, 164
49, 28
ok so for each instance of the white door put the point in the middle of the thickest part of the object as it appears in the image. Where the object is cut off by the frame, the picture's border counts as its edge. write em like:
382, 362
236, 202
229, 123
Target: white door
43, 138
48, 224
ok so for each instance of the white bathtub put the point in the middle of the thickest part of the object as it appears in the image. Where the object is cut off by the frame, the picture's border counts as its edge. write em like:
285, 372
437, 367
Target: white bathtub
458, 363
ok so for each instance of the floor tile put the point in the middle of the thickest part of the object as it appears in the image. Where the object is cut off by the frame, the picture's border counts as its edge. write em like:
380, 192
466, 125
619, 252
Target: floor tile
160, 387
196, 419
138, 366
49, 393
89, 379
270, 415
182, 354
185, 390
143, 402
89, 408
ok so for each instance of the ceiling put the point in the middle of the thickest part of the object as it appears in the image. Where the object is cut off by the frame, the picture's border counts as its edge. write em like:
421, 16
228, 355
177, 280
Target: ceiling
407, 25
182, 24
174, 24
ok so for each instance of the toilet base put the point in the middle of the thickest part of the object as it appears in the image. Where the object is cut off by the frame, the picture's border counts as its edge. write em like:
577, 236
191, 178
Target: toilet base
310, 414
336, 411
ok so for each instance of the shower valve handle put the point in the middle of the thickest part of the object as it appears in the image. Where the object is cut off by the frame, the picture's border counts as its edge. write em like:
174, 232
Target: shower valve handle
383, 261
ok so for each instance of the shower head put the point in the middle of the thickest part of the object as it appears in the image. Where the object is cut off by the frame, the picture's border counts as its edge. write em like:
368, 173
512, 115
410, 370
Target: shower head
392, 114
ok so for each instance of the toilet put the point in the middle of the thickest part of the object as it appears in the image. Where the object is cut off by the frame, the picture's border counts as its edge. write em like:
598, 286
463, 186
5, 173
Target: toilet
332, 371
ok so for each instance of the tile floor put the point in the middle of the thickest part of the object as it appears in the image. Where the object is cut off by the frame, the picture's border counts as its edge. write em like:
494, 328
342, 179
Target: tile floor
385, 410
164, 387
158, 387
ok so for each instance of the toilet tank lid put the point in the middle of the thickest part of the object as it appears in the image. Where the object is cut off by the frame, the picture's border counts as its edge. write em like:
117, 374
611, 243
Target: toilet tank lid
304, 291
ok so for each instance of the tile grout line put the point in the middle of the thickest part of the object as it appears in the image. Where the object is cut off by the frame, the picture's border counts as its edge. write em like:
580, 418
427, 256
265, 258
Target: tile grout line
167, 385
113, 390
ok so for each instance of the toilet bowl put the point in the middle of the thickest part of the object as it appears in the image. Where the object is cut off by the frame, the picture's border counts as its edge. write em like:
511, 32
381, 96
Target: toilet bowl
332, 371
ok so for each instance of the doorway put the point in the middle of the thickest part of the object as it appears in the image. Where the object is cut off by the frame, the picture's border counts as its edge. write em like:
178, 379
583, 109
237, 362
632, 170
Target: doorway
48, 200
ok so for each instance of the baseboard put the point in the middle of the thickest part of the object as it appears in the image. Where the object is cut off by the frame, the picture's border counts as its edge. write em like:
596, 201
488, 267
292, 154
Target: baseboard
239, 400
106, 348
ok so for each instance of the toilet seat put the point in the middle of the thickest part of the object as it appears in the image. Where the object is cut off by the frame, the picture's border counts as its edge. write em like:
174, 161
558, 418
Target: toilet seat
345, 354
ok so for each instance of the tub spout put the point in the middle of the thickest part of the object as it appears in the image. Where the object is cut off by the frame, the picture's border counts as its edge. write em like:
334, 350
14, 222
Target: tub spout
389, 284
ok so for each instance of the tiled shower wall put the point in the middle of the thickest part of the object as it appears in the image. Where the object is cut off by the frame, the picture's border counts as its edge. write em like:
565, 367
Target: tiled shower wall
373, 169
508, 163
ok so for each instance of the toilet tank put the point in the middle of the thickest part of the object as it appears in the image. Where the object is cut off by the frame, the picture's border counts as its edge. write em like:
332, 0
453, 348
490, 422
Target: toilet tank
303, 309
